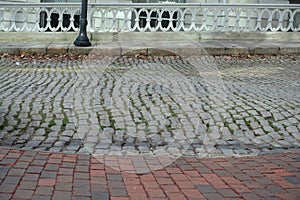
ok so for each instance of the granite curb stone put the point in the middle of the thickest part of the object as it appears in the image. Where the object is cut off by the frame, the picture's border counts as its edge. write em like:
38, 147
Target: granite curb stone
214, 48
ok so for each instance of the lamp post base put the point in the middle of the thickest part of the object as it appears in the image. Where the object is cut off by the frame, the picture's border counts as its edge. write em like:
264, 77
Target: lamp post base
82, 41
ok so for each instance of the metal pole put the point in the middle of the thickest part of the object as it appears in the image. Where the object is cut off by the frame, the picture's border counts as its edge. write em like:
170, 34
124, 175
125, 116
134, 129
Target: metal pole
82, 39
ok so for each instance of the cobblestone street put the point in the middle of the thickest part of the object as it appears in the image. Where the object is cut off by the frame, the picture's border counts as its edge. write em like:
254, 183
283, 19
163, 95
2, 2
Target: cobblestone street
149, 100
149, 126
161, 106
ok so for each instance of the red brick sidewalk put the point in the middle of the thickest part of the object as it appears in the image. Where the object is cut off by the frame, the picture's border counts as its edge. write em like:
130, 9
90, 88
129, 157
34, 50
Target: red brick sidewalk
40, 175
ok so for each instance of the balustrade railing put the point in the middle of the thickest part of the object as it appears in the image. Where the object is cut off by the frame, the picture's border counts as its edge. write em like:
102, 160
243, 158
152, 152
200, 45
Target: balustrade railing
139, 17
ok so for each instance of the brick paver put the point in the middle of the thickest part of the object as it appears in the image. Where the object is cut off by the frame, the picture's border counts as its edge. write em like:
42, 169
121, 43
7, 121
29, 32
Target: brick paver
137, 127
275, 177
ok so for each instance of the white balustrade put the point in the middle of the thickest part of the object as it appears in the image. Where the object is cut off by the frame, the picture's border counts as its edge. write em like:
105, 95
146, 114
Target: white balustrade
140, 17
34, 17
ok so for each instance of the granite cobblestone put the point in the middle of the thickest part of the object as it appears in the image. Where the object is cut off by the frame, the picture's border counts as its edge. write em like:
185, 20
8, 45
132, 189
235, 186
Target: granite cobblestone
175, 106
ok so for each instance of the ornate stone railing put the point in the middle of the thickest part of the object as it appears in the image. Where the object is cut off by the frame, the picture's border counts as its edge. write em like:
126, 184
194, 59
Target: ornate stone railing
151, 17
19, 17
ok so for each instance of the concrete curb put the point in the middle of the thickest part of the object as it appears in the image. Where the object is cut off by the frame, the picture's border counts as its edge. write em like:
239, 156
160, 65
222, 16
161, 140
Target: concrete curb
156, 48
69, 37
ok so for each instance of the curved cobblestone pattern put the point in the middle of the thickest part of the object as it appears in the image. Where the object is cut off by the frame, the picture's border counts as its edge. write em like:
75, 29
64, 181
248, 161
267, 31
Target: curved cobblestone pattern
167, 106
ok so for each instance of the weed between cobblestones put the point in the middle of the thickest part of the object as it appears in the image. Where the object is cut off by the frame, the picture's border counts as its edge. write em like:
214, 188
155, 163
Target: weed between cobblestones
156, 118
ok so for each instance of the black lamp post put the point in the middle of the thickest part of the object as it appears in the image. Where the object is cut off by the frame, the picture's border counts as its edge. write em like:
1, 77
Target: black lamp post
82, 39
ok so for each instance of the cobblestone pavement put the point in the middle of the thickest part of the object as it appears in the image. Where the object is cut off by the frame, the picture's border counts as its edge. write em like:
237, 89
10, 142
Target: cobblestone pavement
162, 106
43, 175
